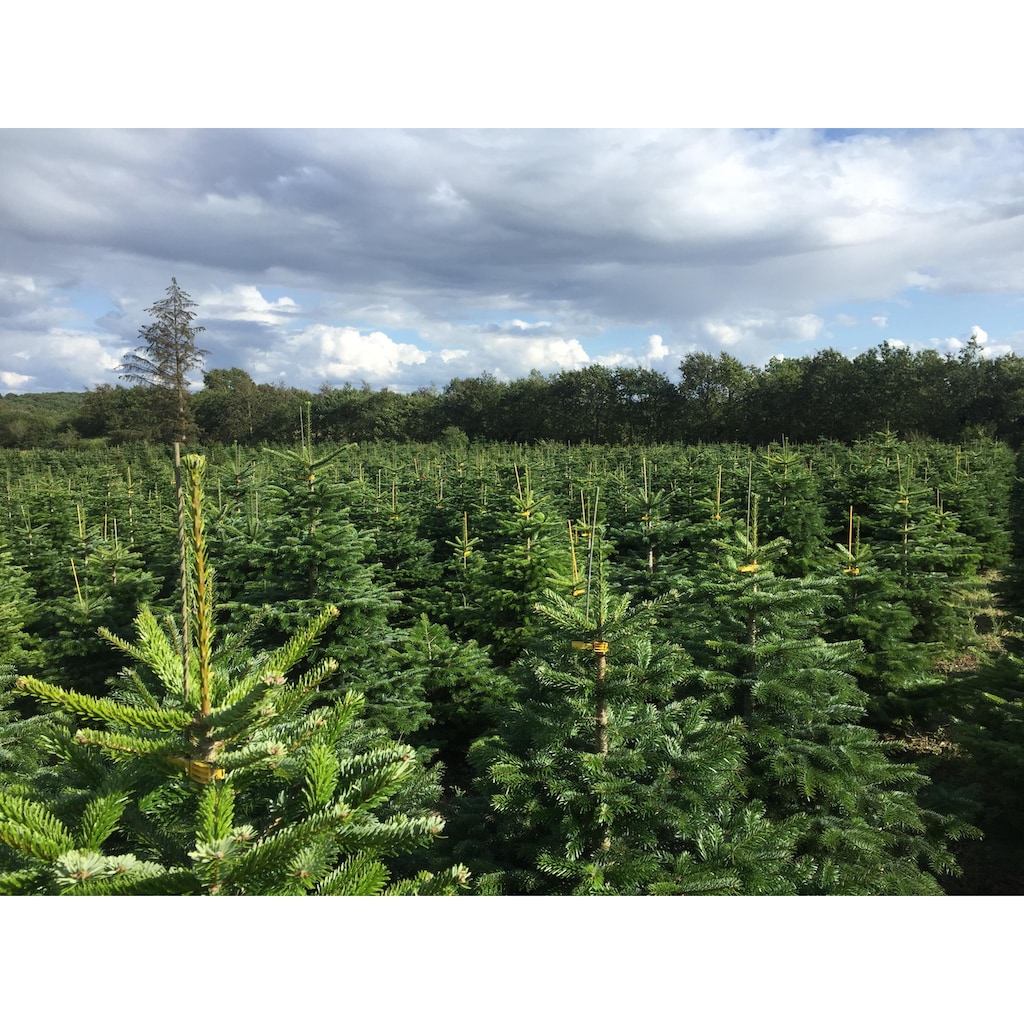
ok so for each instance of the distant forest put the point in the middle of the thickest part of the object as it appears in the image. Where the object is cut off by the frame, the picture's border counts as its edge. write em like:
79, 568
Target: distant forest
915, 394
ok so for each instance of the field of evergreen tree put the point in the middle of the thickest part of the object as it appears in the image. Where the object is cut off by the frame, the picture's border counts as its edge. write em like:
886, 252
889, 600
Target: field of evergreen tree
650, 654
481, 667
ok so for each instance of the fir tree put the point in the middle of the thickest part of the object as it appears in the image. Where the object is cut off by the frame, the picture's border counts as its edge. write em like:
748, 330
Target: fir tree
790, 507
464, 692
502, 579
213, 773
19, 731
17, 606
307, 552
606, 780
977, 762
168, 358
895, 673
107, 585
809, 761
403, 559
650, 544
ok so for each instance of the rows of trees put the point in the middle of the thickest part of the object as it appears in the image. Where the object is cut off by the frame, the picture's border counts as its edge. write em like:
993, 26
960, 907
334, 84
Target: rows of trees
827, 395
636, 670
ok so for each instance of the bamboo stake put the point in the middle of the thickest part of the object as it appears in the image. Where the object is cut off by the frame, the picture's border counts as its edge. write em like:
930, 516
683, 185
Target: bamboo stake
186, 631
78, 589
590, 550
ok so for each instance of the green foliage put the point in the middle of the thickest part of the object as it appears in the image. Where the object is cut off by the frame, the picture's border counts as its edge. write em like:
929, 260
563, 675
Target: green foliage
303, 551
605, 776
18, 733
808, 760
462, 691
786, 660
983, 767
501, 582
716, 399
895, 673
42, 420
316, 791
16, 609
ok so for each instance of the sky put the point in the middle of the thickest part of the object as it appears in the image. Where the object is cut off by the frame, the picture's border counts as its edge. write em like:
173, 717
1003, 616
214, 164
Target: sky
404, 258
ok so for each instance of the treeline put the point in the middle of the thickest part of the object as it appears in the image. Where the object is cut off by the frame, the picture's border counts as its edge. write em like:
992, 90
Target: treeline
716, 399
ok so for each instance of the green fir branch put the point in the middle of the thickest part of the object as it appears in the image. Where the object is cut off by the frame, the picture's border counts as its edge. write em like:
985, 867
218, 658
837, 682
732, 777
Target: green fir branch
99, 819
104, 709
128, 743
31, 828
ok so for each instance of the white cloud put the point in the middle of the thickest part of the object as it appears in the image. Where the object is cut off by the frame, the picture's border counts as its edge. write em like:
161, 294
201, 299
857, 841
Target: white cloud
915, 279
566, 240
989, 348
656, 349
803, 328
844, 320
727, 334
519, 354
509, 349
245, 302
763, 328
81, 350
17, 286
14, 381
63, 360
343, 353
996, 351
525, 325
29, 304
954, 346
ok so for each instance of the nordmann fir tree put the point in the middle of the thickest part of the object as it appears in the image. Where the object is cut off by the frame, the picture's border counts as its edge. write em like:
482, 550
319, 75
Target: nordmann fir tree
705, 512
988, 772
105, 584
307, 552
17, 732
403, 558
914, 538
896, 674
16, 609
791, 507
167, 360
212, 773
605, 780
41, 532
464, 690
524, 553
809, 762
649, 542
